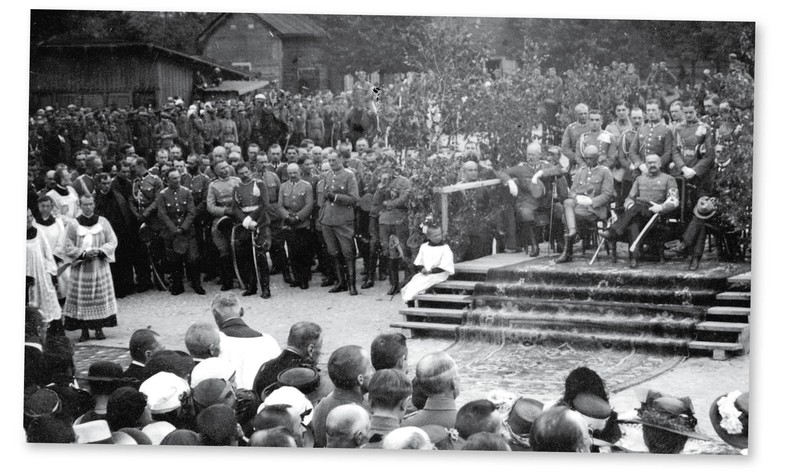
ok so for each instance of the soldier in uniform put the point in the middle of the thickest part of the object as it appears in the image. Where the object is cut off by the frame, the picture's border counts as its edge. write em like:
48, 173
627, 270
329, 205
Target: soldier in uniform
591, 192
653, 138
267, 175
596, 137
145, 190
165, 132
340, 195
392, 194
198, 183
219, 204
652, 193
693, 153
573, 132
176, 212
296, 201
526, 177
250, 200
623, 175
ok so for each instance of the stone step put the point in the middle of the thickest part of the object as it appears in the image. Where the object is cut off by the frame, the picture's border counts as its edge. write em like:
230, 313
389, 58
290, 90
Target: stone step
433, 315
634, 309
527, 336
443, 329
740, 299
718, 326
456, 285
586, 323
742, 278
728, 311
443, 299
646, 294
719, 350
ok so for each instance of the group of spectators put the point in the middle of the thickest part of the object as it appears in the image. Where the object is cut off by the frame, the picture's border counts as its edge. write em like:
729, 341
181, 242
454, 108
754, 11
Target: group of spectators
236, 387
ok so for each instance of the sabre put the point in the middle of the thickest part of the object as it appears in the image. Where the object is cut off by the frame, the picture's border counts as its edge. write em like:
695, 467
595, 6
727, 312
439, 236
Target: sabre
550, 230
643, 232
598, 248
235, 257
254, 257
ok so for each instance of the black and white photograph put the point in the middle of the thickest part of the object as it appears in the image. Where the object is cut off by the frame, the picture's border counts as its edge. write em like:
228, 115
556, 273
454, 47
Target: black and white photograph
430, 230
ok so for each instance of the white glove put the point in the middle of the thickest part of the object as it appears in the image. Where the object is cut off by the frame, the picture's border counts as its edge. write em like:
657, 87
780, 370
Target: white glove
247, 223
584, 200
689, 173
632, 166
536, 177
671, 165
656, 208
643, 168
512, 188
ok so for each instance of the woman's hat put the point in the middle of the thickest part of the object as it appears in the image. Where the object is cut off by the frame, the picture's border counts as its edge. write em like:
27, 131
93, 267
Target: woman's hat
730, 416
675, 415
523, 413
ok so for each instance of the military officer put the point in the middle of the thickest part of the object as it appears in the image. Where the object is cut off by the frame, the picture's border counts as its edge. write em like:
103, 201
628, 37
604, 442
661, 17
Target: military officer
393, 193
219, 204
145, 191
197, 182
296, 200
591, 192
623, 176
653, 138
596, 137
652, 193
176, 211
264, 173
693, 153
524, 182
340, 195
573, 133
250, 200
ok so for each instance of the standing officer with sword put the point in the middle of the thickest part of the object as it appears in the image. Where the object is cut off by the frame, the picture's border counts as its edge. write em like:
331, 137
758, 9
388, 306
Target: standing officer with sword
252, 235
295, 207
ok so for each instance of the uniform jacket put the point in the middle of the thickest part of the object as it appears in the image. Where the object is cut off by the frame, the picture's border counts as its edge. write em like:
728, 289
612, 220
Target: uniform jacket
652, 139
601, 139
176, 210
396, 194
198, 184
661, 189
146, 190
220, 195
438, 410
571, 135
624, 143
340, 210
596, 183
297, 198
251, 199
693, 147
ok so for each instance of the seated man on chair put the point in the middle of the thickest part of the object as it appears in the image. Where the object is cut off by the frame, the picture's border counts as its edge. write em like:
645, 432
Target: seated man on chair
652, 193
592, 191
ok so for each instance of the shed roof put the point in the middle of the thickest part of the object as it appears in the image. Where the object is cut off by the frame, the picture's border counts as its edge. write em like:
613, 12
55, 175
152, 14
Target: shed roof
242, 87
284, 24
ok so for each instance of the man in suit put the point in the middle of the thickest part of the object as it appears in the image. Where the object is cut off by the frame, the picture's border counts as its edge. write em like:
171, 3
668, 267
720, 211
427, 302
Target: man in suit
142, 345
304, 345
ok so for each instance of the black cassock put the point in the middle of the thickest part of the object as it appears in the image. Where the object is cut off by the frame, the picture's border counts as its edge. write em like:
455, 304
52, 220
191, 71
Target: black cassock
114, 207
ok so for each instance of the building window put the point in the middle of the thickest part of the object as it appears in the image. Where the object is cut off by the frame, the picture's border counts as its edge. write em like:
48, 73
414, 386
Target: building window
250, 26
232, 27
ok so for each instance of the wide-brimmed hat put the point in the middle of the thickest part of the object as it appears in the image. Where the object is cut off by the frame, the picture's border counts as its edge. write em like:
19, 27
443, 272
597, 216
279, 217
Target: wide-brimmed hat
675, 415
42, 402
165, 392
304, 379
213, 391
103, 371
524, 412
594, 409
705, 207
730, 417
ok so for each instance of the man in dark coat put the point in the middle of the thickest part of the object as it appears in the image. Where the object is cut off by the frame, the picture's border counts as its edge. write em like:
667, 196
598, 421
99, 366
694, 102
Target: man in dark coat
111, 205
304, 344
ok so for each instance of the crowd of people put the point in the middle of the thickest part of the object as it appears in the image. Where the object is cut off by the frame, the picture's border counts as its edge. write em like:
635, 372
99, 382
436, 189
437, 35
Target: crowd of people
125, 201
237, 387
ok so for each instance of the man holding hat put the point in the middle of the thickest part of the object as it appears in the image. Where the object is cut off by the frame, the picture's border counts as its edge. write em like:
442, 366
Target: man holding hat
730, 418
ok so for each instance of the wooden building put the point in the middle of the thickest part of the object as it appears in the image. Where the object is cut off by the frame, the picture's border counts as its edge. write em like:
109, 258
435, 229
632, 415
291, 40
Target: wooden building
284, 48
120, 74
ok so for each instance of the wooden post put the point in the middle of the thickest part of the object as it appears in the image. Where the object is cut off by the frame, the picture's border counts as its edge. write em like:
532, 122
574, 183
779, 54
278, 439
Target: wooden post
444, 213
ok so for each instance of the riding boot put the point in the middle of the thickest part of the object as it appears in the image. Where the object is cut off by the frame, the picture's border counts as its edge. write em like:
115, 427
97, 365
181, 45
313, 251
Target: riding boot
393, 266
351, 277
176, 286
226, 273
569, 241
329, 275
369, 280
287, 274
265, 279
193, 273
532, 240
339, 269
383, 267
